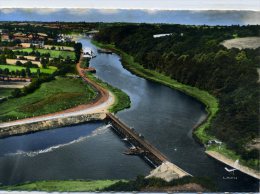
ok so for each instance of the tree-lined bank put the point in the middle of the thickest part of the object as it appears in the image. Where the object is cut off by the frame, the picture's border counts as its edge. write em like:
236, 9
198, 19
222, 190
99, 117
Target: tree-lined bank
193, 55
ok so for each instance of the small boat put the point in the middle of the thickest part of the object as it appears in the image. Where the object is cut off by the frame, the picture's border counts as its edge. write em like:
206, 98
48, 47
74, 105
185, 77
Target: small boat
134, 151
88, 53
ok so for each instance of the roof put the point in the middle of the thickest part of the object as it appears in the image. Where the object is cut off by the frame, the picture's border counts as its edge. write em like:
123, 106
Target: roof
42, 34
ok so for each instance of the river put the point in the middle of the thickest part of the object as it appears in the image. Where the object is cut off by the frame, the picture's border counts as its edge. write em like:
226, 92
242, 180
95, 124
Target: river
165, 117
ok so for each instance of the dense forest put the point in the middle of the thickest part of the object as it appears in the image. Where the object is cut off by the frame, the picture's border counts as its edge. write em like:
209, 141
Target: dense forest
193, 55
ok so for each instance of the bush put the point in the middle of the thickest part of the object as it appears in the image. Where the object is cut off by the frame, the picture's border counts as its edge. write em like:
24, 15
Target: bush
16, 93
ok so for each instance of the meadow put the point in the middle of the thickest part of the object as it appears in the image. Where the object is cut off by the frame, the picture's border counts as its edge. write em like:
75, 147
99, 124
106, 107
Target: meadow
53, 96
5, 92
53, 53
48, 70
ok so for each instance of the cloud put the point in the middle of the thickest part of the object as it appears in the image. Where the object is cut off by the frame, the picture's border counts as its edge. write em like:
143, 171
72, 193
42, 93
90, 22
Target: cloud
108, 11
137, 4
7, 10
46, 11
151, 11
78, 11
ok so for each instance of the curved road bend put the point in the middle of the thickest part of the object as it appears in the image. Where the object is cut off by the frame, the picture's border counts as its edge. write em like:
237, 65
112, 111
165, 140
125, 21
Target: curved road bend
100, 105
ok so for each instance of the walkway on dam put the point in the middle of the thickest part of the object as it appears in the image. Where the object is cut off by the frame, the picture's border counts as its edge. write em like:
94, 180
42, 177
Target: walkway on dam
154, 156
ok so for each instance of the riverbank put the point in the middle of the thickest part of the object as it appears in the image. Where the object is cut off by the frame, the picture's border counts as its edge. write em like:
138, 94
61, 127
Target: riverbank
121, 99
49, 124
109, 99
61, 186
220, 157
210, 101
185, 184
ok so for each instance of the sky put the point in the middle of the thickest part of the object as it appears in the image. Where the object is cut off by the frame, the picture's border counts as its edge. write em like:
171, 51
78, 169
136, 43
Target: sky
137, 4
131, 15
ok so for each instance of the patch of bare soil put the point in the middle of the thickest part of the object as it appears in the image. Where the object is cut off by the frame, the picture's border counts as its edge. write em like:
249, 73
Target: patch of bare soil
254, 144
242, 43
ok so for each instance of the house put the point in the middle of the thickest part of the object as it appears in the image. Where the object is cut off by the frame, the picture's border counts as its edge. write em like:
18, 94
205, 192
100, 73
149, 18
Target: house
5, 37
161, 35
20, 36
42, 35
36, 43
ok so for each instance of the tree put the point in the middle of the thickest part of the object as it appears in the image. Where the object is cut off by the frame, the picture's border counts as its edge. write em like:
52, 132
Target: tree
77, 49
23, 73
28, 72
6, 71
2, 59
18, 63
44, 62
16, 93
18, 73
38, 73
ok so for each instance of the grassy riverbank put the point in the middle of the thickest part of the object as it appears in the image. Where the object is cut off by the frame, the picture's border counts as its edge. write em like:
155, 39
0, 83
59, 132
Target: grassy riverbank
185, 184
62, 186
53, 96
122, 100
203, 96
212, 105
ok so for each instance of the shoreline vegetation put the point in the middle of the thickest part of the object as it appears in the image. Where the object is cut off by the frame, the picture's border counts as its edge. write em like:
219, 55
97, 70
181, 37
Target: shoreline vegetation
61, 186
211, 103
185, 184
122, 100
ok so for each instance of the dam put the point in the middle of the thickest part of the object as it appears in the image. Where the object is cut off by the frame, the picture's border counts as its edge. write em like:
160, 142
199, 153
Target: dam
147, 151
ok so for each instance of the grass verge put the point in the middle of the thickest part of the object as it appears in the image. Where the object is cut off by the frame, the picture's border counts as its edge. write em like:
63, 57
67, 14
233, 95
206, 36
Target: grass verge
53, 96
62, 186
122, 100
5, 92
212, 105
160, 185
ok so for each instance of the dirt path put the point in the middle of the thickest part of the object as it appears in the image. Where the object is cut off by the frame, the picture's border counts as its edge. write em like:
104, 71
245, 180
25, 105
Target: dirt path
100, 105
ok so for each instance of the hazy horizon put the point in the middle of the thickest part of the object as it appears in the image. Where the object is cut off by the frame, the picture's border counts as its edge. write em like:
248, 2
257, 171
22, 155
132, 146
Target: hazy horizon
136, 4
189, 17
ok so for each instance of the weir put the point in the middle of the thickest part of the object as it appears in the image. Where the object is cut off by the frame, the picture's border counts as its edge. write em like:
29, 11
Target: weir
145, 149
137, 140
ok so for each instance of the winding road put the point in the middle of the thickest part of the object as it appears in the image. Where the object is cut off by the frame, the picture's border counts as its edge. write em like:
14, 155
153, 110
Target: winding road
100, 105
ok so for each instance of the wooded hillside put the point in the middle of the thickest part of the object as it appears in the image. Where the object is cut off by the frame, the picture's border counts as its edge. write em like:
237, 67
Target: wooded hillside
193, 55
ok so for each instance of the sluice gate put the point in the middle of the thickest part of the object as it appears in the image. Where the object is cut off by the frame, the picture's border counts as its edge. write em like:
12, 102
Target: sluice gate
145, 149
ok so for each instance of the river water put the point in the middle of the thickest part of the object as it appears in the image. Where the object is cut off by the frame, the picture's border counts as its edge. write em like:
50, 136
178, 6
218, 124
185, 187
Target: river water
165, 117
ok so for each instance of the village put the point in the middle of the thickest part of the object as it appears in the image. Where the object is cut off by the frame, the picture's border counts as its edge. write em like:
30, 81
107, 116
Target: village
26, 54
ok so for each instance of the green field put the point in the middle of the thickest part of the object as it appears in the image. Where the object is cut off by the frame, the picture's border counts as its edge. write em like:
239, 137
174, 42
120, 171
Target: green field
62, 186
53, 53
5, 92
48, 70
57, 95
